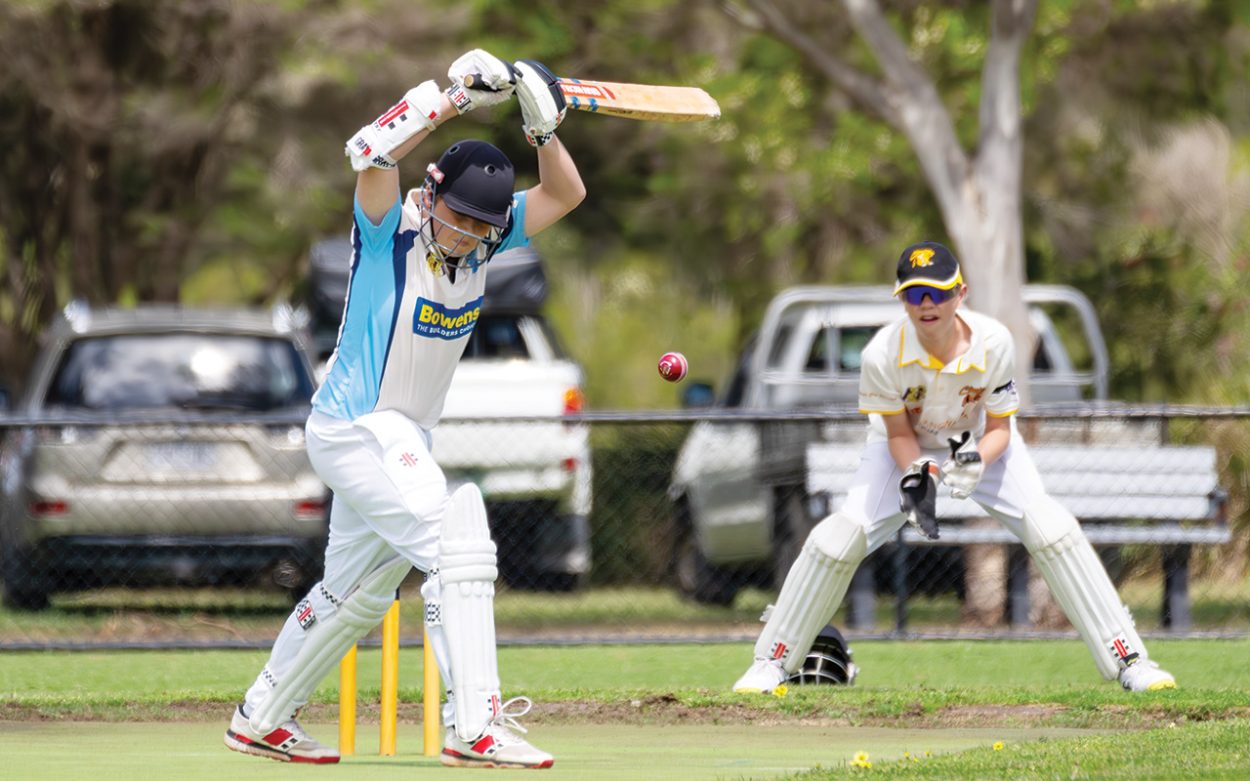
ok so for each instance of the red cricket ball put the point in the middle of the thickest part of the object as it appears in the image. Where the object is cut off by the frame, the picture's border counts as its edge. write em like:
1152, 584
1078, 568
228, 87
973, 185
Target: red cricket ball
673, 367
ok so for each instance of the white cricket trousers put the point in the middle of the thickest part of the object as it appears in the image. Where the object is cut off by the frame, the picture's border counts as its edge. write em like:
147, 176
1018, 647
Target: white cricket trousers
1010, 490
389, 498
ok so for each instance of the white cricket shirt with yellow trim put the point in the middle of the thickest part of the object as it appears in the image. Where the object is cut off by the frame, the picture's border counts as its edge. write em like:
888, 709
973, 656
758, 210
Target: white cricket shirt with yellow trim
898, 376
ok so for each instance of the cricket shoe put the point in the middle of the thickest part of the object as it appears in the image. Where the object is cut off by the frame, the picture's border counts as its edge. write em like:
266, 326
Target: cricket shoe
501, 745
764, 676
287, 743
1144, 675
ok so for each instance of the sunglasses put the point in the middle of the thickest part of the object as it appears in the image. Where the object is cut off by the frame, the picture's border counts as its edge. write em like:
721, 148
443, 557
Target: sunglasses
915, 295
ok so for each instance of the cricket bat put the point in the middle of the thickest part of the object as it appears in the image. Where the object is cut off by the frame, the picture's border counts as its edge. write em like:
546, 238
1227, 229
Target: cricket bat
632, 101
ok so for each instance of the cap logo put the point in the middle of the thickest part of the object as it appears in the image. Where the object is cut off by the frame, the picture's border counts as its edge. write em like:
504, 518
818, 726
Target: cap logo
921, 258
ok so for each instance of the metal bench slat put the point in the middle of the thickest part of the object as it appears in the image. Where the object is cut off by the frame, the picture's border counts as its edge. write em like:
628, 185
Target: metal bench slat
1102, 483
1098, 534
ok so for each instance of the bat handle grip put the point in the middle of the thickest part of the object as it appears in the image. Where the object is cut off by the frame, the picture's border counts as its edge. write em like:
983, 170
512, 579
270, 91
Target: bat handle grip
475, 81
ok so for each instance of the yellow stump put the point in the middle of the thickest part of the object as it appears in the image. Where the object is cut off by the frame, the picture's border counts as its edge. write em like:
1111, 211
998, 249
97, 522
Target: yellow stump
430, 702
347, 703
390, 680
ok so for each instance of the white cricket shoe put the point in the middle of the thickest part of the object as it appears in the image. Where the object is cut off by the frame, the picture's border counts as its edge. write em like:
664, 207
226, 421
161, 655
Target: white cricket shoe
1144, 675
287, 743
499, 746
762, 677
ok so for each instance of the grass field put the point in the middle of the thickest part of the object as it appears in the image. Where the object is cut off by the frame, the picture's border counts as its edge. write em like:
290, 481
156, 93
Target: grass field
246, 615
659, 712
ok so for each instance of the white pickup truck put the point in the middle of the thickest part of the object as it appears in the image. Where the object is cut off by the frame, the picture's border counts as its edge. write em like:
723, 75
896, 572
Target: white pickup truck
536, 473
731, 477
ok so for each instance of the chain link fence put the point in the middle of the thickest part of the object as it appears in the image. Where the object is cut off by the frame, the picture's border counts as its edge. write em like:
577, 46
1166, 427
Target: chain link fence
611, 527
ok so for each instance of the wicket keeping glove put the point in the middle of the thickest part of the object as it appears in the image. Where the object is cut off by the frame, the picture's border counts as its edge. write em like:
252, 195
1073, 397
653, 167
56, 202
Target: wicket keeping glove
542, 102
491, 81
962, 471
917, 496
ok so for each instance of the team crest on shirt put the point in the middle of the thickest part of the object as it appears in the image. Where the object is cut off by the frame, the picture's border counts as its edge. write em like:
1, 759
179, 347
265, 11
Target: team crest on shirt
914, 394
435, 321
971, 395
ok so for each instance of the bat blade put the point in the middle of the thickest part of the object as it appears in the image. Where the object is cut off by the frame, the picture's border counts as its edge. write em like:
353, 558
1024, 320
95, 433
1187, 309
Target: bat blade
639, 101
632, 101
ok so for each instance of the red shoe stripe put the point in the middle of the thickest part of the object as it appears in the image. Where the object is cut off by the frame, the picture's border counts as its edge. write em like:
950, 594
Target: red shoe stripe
484, 745
277, 737
330, 760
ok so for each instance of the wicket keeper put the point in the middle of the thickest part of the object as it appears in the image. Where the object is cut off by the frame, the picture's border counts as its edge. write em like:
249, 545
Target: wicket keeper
938, 388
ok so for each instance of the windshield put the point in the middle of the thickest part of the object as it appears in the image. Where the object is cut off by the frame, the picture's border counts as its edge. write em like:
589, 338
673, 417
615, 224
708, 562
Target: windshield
180, 370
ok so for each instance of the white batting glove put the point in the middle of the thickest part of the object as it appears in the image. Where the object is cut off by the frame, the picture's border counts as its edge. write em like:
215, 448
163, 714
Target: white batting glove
542, 102
962, 471
491, 81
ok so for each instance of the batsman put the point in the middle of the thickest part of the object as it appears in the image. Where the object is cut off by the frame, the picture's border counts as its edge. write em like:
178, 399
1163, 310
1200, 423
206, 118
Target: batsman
938, 388
418, 276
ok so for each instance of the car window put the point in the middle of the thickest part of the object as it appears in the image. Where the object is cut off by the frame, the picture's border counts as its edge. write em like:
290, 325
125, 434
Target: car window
851, 343
180, 370
735, 389
497, 336
818, 353
776, 351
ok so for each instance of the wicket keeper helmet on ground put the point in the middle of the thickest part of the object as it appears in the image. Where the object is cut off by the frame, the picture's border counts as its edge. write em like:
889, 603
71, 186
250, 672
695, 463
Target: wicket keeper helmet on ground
828, 662
475, 179
930, 264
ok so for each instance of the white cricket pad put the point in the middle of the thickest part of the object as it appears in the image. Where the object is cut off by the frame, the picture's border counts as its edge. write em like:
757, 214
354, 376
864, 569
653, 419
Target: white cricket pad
432, 593
327, 641
467, 572
813, 590
372, 145
1080, 584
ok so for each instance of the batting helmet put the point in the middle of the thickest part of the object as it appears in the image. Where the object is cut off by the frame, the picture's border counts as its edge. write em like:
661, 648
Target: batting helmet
476, 179
829, 661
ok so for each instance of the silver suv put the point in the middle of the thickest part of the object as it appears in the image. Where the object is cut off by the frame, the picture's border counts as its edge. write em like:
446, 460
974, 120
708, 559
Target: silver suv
161, 445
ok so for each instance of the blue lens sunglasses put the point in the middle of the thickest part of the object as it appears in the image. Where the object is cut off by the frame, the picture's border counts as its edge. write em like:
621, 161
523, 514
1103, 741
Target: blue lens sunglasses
915, 295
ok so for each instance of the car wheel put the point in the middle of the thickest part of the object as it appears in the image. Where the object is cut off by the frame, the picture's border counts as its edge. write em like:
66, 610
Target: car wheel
694, 576
25, 588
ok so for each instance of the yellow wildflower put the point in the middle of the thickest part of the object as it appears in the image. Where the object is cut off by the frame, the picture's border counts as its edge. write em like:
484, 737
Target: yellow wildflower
998, 745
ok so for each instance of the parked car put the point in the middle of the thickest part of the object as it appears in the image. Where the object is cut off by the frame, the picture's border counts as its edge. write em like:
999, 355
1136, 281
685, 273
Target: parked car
535, 474
738, 486
161, 445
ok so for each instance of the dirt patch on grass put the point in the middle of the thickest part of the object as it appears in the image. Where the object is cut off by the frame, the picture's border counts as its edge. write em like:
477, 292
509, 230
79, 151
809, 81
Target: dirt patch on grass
665, 709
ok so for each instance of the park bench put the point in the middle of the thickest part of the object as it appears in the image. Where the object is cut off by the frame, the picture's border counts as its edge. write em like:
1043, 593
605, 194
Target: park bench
1167, 496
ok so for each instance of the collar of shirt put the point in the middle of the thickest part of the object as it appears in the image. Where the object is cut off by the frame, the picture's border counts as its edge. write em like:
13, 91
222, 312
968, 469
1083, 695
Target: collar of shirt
911, 351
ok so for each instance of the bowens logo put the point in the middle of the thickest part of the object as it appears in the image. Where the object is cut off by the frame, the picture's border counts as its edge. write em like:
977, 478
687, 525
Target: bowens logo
432, 319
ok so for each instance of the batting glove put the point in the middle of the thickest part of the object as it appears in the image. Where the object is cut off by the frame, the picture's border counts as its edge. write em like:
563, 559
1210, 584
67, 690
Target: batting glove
478, 79
962, 471
917, 496
542, 102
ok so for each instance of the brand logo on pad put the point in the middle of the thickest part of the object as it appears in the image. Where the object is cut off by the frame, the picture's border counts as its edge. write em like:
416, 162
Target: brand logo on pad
304, 614
1121, 650
780, 651
408, 459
